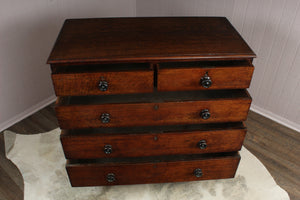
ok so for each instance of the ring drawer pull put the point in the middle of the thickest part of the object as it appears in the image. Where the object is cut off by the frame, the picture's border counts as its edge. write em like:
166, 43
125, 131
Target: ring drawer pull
110, 177
105, 118
107, 149
206, 81
202, 144
103, 85
198, 172
205, 114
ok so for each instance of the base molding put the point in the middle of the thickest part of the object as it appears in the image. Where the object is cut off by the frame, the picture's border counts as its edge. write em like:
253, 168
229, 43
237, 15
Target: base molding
27, 113
275, 117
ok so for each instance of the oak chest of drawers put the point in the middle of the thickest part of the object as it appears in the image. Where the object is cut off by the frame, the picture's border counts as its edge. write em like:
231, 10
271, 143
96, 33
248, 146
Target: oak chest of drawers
151, 100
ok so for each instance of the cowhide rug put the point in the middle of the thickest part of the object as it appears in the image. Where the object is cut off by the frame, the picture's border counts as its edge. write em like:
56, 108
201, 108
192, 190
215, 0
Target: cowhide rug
41, 161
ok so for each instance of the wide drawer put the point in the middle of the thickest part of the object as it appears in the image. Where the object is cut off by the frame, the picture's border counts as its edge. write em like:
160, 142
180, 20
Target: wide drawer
109, 79
204, 75
163, 109
152, 170
152, 141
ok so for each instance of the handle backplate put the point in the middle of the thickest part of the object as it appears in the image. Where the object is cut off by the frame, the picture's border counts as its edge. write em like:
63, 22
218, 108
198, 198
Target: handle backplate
110, 177
105, 118
103, 85
107, 149
202, 144
198, 172
206, 81
205, 114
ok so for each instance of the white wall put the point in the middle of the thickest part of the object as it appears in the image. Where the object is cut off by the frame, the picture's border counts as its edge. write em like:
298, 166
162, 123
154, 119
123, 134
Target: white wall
272, 29
28, 30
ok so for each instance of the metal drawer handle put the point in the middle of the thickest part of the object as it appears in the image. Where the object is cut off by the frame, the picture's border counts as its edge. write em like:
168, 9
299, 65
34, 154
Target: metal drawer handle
110, 177
202, 144
206, 81
105, 118
107, 149
205, 114
198, 172
103, 85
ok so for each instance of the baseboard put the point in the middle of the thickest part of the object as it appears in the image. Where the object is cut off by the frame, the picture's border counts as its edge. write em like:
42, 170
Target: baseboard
27, 113
275, 117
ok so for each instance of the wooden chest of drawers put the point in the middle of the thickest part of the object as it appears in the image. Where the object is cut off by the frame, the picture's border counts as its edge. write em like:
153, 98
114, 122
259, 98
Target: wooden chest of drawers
151, 100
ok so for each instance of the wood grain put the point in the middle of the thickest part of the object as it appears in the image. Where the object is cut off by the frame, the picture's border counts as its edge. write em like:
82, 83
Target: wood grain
277, 147
270, 28
152, 171
86, 146
263, 148
148, 39
94, 43
145, 114
80, 84
189, 78
11, 180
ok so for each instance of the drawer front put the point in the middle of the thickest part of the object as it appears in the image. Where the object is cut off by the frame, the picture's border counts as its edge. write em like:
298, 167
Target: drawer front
99, 83
151, 172
204, 78
147, 114
154, 144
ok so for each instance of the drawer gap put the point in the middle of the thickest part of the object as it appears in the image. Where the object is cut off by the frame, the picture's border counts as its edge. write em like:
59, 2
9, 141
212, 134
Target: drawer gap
206, 64
157, 97
153, 159
155, 129
91, 68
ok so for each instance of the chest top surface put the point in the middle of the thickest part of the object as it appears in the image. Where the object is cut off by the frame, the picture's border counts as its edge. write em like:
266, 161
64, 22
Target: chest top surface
151, 39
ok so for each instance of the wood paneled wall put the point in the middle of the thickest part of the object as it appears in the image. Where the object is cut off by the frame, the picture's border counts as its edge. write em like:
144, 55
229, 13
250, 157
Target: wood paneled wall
28, 30
272, 29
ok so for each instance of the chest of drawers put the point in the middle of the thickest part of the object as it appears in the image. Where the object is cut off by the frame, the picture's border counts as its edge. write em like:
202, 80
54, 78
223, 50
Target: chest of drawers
151, 100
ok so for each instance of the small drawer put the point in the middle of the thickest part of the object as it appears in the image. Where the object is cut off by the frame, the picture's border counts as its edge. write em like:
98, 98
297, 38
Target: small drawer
90, 80
193, 139
152, 169
204, 75
162, 109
